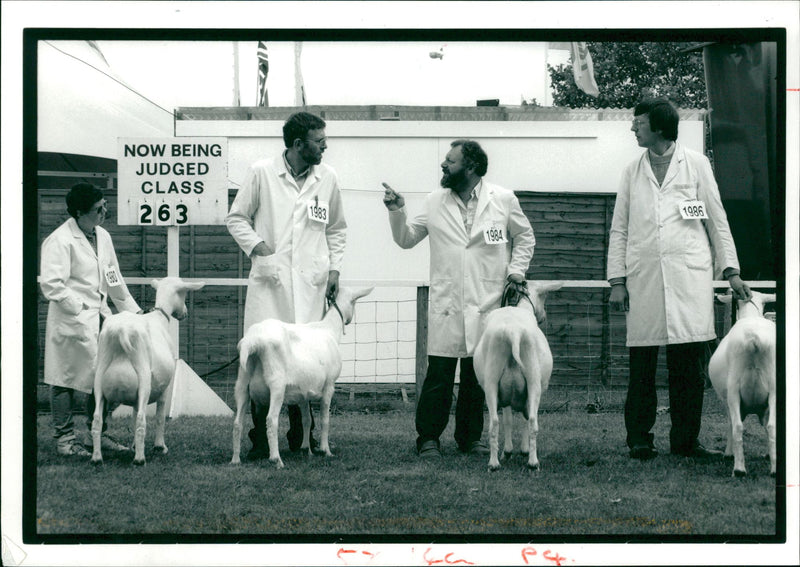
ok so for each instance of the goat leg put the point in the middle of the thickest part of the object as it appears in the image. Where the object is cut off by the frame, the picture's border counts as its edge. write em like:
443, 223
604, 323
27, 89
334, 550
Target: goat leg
325, 416
97, 429
494, 427
737, 429
242, 397
534, 394
161, 419
276, 396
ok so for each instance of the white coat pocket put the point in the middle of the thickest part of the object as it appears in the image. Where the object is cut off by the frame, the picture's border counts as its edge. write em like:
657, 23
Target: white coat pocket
317, 272
442, 298
78, 327
265, 270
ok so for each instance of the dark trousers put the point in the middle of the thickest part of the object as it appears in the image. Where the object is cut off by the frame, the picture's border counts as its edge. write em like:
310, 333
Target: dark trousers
61, 402
685, 365
258, 435
435, 399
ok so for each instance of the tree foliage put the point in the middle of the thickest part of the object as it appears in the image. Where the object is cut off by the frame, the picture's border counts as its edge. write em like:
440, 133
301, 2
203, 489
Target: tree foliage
626, 72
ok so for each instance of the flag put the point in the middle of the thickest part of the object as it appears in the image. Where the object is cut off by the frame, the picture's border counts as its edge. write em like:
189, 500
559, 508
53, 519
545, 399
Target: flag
263, 69
583, 69
299, 87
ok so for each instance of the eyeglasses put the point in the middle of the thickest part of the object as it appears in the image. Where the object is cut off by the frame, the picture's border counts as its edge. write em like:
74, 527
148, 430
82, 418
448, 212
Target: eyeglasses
320, 142
102, 207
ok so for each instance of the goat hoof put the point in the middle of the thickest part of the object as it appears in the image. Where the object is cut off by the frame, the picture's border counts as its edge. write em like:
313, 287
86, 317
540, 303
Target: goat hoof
278, 463
139, 462
739, 474
494, 468
236, 462
536, 467
97, 462
161, 450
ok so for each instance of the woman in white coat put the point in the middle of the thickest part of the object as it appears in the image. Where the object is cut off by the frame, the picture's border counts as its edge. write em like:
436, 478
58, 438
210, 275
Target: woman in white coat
479, 239
79, 272
669, 237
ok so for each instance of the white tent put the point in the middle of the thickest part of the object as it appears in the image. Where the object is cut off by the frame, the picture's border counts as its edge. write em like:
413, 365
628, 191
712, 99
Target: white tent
83, 107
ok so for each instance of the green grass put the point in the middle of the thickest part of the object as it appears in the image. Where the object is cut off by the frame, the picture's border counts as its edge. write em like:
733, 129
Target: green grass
375, 484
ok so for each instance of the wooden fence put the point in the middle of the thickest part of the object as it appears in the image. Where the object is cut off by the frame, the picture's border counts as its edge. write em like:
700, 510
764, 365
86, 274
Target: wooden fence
588, 341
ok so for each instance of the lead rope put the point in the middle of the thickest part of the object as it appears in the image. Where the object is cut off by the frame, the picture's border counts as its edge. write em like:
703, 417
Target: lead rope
332, 303
512, 293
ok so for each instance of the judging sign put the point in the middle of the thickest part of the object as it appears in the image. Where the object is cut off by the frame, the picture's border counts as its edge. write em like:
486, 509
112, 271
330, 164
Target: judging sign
172, 181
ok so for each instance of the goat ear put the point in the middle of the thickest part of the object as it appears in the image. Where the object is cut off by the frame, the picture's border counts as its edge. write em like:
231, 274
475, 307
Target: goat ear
543, 288
553, 286
358, 294
724, 297
769, 298
154, 284
194, 285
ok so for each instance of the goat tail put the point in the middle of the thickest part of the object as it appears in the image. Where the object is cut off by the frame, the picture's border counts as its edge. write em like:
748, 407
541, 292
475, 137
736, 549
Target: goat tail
515, 337
248, 353
122, 339
757, 345
262, 348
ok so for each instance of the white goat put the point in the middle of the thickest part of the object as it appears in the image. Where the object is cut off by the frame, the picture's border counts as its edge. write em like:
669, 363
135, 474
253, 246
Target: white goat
742, 370
513, 364
136, 362
293, 363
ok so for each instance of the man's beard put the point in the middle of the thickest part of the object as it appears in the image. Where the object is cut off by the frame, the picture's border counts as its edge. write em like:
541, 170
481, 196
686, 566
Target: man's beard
311, 157
453, 180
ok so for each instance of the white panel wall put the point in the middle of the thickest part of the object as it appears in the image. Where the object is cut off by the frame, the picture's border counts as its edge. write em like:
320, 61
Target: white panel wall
582, 156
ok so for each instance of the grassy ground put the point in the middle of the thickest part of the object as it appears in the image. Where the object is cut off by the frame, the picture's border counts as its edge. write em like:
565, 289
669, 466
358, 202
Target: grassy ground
375, 484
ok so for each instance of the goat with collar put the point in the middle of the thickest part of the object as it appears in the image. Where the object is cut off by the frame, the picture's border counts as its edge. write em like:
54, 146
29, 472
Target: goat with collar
742, 371
136, 363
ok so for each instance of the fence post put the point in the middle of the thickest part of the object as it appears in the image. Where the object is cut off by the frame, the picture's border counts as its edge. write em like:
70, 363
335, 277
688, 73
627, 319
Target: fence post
422, 336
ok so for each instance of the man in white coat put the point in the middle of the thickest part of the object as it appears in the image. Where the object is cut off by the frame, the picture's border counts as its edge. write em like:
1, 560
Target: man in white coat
79, 272
288, 218
479, 239
669, 238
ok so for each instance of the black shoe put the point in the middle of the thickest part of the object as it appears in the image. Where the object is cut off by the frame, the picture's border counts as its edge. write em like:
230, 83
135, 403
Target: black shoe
643, 452
698, 452
429, 450
475, 448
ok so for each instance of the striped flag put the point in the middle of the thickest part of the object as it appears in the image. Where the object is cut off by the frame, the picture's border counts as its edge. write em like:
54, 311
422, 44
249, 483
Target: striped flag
583, 68
263, 69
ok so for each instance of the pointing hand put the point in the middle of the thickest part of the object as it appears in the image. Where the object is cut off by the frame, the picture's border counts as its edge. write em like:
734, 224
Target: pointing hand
392, 199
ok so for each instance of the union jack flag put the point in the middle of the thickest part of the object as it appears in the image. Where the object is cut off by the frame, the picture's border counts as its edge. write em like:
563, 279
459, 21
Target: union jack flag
263, 69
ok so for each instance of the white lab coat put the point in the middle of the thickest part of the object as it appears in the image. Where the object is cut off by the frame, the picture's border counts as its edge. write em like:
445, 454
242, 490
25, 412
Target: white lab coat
467, 274
669, 262
289, 284
72, 275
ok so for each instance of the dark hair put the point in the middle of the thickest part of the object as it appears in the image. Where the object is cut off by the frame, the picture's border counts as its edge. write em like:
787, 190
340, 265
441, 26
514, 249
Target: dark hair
81, 197
298, 125
663, 116
474, 155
